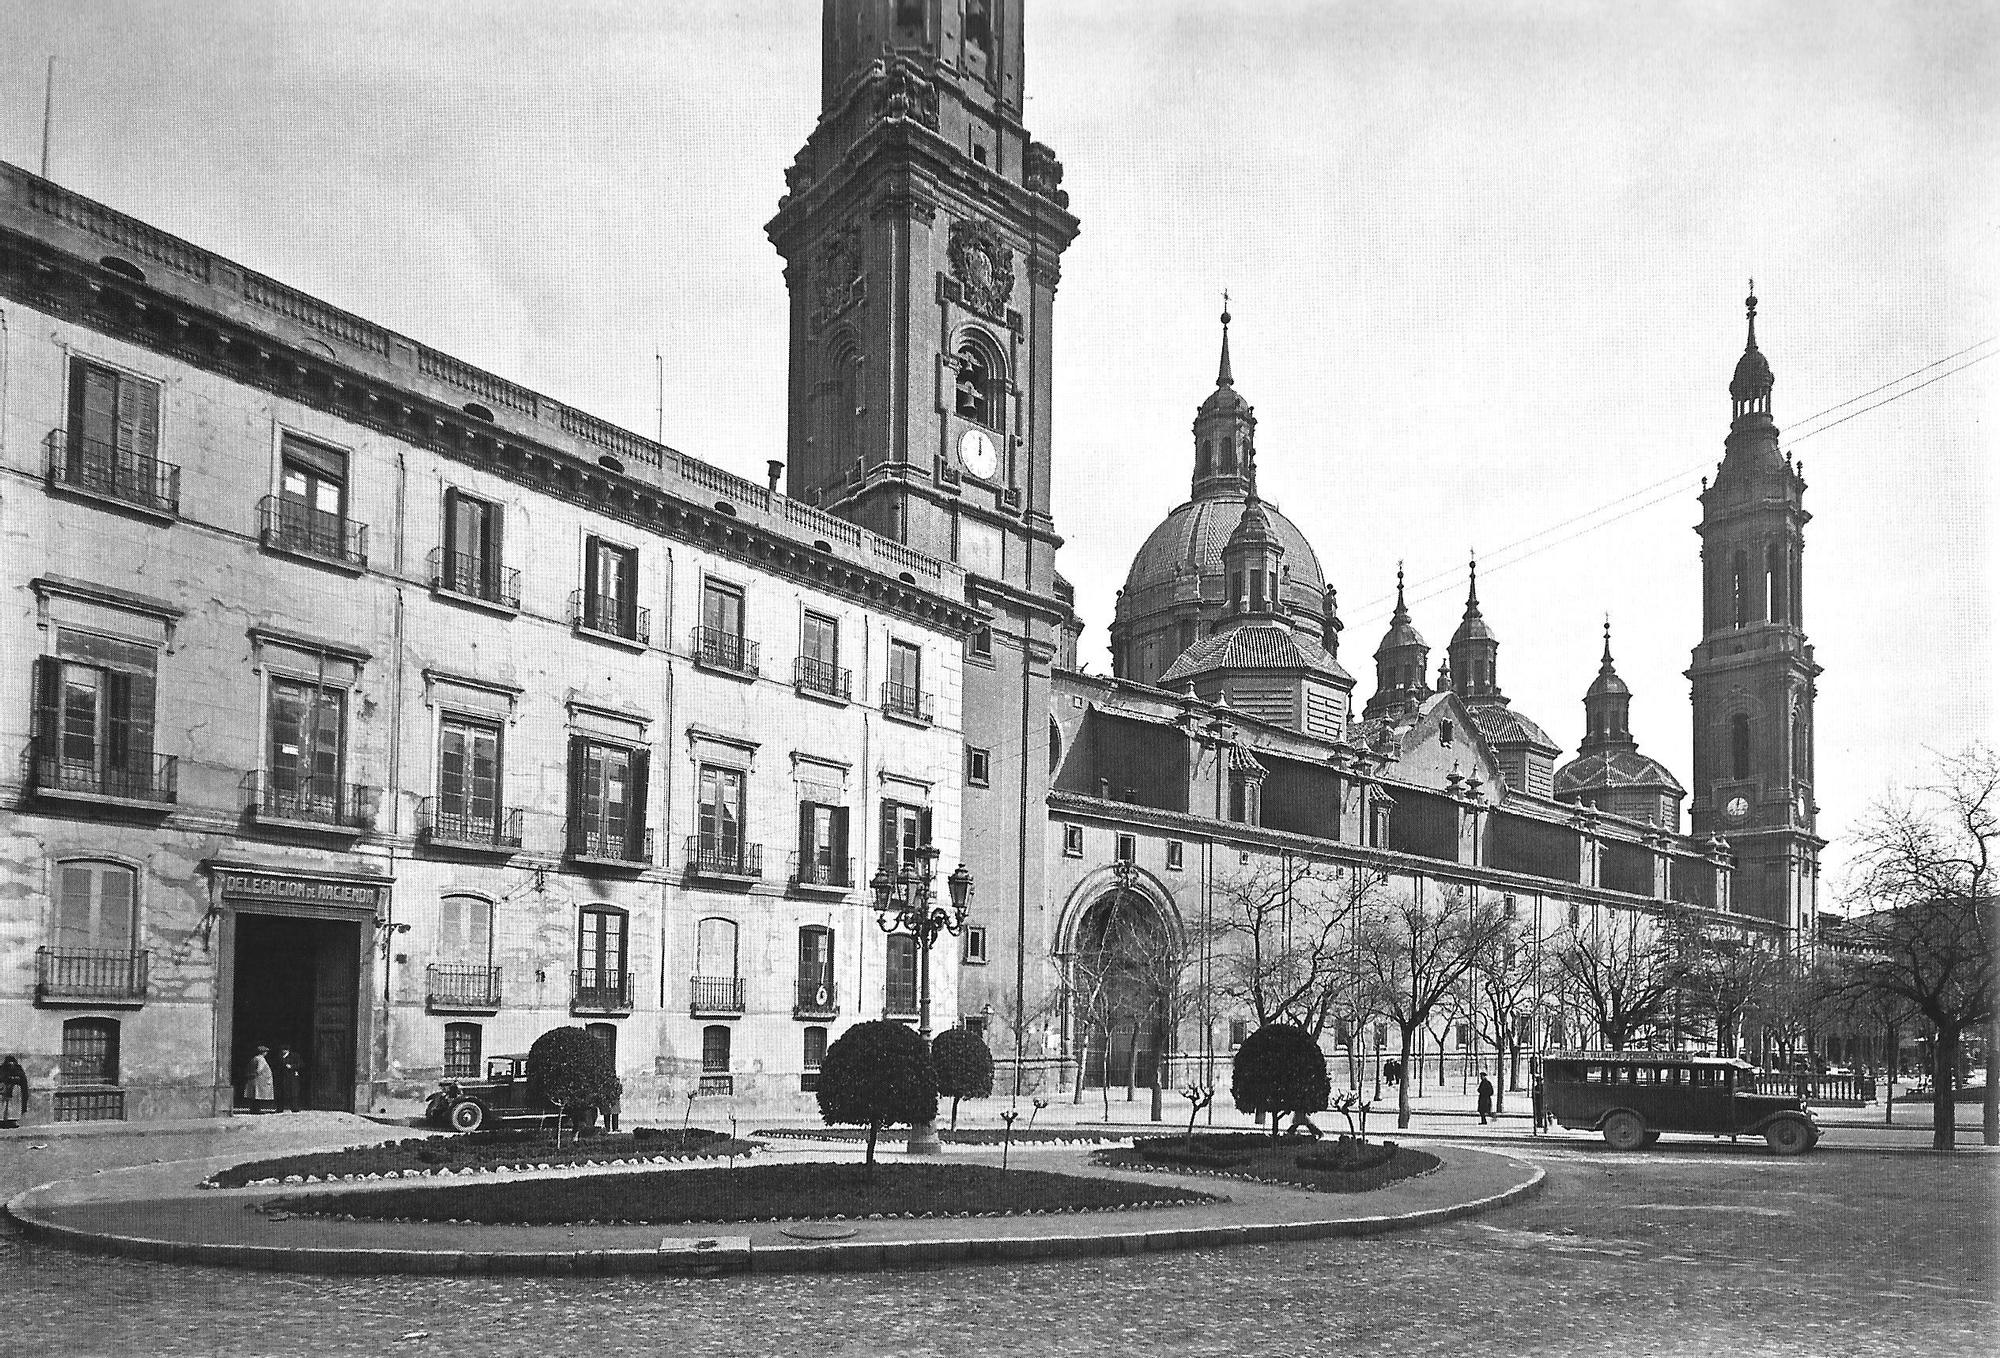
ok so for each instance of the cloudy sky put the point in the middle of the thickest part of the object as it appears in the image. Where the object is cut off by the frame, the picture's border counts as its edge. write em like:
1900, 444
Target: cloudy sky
1487, 263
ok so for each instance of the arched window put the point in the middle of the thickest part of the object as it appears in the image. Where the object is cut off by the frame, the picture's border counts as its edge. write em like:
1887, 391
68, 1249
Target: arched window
1739, 746
90, 1052
1776, 595
715, 1074
1740, 592
1227, 459
814, 1056
816, 976
96, 907
981, 383
1205, 458
461, 1051
465, 931
844, 403
607, 1034
1801, 748
715, 948
1055, 745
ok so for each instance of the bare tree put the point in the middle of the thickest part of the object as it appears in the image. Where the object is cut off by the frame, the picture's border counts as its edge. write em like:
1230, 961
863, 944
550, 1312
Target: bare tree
1923, 884
1500, 995
1283, 940
1626, 975
1152, 965
1414, 953
1087, 995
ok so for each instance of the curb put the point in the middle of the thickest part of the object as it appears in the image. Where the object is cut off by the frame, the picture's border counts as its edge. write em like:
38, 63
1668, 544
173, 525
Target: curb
721, 1255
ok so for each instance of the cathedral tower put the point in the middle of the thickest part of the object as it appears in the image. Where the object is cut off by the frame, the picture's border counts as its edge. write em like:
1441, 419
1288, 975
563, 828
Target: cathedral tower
922, 234
1402, 663
1753, 673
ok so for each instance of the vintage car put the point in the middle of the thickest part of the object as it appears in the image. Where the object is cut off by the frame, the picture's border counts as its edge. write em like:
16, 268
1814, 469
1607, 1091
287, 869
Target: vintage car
1633, 1096
502, 1097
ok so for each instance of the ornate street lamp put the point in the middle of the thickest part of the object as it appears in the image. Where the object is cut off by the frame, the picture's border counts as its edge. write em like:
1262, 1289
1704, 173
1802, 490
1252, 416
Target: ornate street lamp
903, 905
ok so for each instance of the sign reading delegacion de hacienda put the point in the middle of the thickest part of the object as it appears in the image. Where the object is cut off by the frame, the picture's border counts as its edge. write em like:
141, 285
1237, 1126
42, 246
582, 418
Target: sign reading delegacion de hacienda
265, 886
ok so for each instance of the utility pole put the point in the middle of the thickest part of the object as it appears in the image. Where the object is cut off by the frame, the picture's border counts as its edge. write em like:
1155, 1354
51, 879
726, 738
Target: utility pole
48, 114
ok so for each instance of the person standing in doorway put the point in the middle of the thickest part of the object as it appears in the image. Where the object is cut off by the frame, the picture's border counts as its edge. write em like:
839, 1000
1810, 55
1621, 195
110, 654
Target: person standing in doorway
12, 1078
286, 1071
260, 1085
1485, 1099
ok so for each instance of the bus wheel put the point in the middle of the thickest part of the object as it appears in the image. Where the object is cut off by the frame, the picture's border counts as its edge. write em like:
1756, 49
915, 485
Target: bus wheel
1789, 1136
1624, 1132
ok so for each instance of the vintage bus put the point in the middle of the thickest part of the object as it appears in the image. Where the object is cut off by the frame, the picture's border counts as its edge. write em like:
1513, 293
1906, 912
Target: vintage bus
1633, 1096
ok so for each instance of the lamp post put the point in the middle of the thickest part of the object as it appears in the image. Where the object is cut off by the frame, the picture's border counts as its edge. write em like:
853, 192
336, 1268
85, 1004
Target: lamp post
903, 905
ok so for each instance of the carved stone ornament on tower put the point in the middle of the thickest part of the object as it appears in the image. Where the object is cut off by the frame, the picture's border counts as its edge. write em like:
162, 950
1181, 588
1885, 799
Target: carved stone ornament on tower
900, 91
982, 266
1045, 174
836, 276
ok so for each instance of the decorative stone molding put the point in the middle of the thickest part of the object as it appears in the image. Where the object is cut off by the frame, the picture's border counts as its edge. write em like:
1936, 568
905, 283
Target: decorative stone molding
982, 266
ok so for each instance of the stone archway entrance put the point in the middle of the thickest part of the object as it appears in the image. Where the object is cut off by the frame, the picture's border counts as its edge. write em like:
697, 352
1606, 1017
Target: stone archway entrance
1123, 975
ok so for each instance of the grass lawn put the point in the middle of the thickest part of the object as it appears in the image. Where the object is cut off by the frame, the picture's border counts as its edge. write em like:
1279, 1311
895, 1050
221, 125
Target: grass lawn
967, 1136
1319, 1165
505, 1149
749, 1193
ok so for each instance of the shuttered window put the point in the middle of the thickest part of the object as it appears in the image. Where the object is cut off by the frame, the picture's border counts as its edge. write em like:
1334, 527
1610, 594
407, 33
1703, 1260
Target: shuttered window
95, 906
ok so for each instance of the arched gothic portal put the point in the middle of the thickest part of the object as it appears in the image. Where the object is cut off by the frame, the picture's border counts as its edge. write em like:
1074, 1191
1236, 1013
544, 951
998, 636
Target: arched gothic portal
1123, 974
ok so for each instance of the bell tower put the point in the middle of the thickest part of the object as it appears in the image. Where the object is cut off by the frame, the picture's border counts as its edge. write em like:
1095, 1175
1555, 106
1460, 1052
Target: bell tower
922, 232
1753, 675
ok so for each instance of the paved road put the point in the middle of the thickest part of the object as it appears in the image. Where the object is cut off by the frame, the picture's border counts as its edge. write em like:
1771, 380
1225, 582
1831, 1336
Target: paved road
1694, 1251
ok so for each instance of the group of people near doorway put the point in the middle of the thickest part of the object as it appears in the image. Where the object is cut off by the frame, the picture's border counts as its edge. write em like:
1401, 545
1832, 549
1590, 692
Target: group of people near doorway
271, 1083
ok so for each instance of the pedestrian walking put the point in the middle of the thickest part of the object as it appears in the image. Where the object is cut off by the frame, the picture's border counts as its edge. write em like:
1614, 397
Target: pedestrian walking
1541, 1107
1485, 1099
12, 1078
285, 1070
610, 1105
260, 1085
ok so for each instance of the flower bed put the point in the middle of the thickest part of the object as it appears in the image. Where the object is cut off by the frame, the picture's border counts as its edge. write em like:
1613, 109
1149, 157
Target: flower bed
966, 1136
1344, 1166
752, 1193
424, 1156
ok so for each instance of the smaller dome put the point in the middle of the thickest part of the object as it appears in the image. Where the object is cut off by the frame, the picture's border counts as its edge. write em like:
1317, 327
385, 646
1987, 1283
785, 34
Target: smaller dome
1223, 399
1254, 528
1753, 375
1614, 769
1472, 627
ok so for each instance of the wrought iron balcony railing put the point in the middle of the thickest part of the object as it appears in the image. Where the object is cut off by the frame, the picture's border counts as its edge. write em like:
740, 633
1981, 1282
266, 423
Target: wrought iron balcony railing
474, 577
610, 616
113, 472
453, 821
601, 845
148, 778
902, 700
833, 874
715, 995
717, 1082
719, 649
456, 986
600, 988
289, 526
715, 858
900, 997
818, 997
311, 801
821, 676
99, 974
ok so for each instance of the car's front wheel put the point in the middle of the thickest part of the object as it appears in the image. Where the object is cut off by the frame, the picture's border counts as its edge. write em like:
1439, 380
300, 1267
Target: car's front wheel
468, 1115
1624, 1132
1789, 1136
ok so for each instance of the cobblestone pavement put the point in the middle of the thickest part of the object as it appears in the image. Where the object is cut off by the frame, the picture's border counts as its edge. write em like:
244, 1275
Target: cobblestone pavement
1658, 1253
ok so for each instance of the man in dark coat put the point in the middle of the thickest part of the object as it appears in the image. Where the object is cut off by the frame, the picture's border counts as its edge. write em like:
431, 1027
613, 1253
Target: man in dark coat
12, 1078
286, 1070
1485, 1098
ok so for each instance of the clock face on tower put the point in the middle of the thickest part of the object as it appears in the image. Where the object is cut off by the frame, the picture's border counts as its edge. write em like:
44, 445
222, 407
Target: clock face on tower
1736, 808
977, 455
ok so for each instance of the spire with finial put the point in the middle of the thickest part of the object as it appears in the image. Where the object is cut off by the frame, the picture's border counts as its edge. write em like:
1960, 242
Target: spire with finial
1607, 706
1750, 387
1402, 663
1474, 650
1402, 614
1223, 377
1225, 433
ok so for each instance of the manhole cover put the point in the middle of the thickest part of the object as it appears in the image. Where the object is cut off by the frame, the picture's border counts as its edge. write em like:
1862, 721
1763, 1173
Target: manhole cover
818, 1230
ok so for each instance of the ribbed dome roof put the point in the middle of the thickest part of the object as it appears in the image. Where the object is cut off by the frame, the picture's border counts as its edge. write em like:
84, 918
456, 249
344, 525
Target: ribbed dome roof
1190, 541
1254, 646
1613, 769
1753, 375
1504, 726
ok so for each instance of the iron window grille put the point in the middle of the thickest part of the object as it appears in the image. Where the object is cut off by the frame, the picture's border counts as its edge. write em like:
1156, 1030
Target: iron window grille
100, 468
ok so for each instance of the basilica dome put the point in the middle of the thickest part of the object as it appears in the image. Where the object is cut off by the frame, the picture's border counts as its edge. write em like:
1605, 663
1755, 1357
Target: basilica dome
1187, 547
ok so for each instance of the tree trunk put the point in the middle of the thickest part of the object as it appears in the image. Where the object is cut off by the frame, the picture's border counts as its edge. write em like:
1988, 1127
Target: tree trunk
1944, 1064
1082, 1070
1403, 1080
954, 1112
1989, 1121
873, 1129
1161, 1048
1132, 1065
1889, 1075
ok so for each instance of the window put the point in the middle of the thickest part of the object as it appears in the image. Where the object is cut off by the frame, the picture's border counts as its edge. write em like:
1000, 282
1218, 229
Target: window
715, 948
719, 843
94, 720
1739, 746
814, 1056
1343, 1032
1558, 1032
819, 656
468, 801
1176, 855
901, 974
975, 943
905, 828
978, 766
719, 641
816, 993
312, 502
601, 979
465, 930
1381, 1036
1239, 1031
976, 1025
306, 774
1072, 841
93, 949
610, 588
1444, 733
471, 561
978, 389
903, 694
90, 1052
822, 857
461, 1051
1464, 1036
607, 1036
1740, 591
979, 646
715, 1049
112, 443
1575, 914
607, 801
1508, 907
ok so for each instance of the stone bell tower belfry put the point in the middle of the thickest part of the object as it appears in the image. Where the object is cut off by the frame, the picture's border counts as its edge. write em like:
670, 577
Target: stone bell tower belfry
922, 233
1753, 675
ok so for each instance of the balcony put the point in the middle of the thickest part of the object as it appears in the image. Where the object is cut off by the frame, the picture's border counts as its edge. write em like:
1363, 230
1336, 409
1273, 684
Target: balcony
831, 875
104, 471
717, 1082
822, 679
610, 619
311, 803
594, 844
300, 530
600, 991
465, 989
91, 975
818, 998
906, 703
726, 862
713, 648
449, 823
900, 997
149, 780
715, 996
473, 578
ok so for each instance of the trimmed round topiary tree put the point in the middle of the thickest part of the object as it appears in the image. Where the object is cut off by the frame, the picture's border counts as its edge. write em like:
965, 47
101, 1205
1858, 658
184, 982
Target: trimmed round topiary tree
1280, 1069
877, 1074
571, 1070
963, 1065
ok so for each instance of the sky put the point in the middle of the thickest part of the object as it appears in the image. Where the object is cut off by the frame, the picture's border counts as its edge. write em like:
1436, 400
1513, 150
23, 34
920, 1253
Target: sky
1487, 265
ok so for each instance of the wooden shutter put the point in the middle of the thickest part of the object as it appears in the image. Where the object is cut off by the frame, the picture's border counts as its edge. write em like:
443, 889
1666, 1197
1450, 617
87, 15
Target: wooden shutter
635, 807
889, 836
48, 706
628, 595
492, 548
593, 554
138, 418
118, 726
924, 826
451, 543
807, 847
839, 840
577, 755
